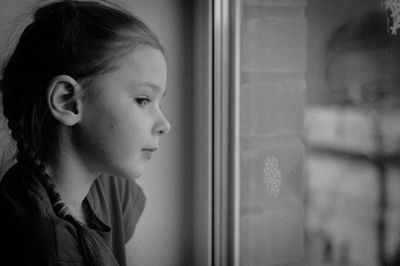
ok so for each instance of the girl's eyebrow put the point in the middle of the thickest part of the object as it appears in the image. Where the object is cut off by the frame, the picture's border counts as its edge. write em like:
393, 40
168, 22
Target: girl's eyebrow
154, 87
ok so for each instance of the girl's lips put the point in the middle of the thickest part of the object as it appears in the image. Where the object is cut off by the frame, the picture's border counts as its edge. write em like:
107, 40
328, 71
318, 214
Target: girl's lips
151, 149
148, 152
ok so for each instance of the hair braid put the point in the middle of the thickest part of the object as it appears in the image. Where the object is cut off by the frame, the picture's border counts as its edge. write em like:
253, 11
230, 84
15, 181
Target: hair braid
90, 242
27, 156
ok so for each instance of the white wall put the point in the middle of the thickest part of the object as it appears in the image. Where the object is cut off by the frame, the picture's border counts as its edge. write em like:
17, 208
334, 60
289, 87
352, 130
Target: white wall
164, 234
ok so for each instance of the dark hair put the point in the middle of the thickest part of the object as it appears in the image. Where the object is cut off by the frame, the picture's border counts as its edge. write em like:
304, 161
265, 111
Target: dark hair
367, 34
369, 31
82, 39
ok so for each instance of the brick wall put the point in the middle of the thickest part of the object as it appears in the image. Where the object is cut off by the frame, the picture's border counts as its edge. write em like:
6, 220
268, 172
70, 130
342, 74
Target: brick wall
273, 62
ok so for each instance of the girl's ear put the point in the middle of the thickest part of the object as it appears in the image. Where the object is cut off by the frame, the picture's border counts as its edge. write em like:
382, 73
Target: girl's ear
64, 99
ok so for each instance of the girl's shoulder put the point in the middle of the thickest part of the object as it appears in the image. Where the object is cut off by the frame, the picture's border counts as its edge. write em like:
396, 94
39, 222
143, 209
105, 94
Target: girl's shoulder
30, 231
21, 193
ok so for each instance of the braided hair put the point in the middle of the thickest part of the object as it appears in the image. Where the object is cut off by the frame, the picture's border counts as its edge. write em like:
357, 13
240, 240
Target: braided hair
90, 243
82, 39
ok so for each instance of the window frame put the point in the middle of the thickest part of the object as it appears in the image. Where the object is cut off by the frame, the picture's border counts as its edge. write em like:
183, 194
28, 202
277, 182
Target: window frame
217, 146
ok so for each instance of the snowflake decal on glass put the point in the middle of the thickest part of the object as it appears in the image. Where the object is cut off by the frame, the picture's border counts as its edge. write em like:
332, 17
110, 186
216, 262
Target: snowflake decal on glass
272, 176
394, 7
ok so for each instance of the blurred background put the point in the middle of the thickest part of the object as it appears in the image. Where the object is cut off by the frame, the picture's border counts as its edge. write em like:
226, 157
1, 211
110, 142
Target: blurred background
352, 124
319, 133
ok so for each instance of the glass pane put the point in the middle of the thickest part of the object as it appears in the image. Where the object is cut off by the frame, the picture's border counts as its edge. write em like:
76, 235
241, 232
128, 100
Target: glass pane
272, 93
352, 129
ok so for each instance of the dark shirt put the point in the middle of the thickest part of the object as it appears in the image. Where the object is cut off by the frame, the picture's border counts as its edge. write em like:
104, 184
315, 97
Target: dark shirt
31, 233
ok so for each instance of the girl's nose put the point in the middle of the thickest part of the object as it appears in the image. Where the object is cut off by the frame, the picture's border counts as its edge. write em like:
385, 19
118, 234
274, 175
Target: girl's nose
163, 126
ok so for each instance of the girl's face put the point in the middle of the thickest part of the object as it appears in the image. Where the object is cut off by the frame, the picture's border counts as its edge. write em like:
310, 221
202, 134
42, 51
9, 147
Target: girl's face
368, 78
122, 121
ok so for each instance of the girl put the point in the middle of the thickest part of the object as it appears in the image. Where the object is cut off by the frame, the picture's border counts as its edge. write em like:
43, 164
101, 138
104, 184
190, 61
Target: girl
82, 94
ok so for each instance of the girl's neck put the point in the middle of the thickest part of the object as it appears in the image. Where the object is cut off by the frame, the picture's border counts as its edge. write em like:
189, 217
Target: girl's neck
72, 179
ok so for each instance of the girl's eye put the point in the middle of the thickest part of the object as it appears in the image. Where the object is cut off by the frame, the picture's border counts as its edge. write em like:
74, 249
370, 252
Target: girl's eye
142, 101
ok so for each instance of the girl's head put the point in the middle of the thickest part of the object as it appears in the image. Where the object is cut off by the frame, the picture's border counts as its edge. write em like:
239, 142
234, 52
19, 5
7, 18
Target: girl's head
68, 51
363, 62
86, 78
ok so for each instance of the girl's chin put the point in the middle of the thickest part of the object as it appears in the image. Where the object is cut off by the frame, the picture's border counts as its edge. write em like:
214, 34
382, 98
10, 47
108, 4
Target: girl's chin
127, 172
133, 173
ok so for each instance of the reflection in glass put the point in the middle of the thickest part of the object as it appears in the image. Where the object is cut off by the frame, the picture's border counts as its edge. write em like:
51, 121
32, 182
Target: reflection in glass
354, 145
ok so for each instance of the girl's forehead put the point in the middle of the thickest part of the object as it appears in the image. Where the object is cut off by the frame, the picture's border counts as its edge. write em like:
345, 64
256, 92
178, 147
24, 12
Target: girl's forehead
145, 61
144, 65
145, 55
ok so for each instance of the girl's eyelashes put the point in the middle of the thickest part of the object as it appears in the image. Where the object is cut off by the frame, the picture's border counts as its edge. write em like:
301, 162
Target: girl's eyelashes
142, 101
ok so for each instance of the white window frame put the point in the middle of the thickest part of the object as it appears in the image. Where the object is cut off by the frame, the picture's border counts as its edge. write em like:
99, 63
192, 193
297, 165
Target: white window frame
217, 71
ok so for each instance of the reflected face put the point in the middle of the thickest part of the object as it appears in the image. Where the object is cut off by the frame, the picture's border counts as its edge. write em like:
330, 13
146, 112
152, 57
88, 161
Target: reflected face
370, 78
122, 121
